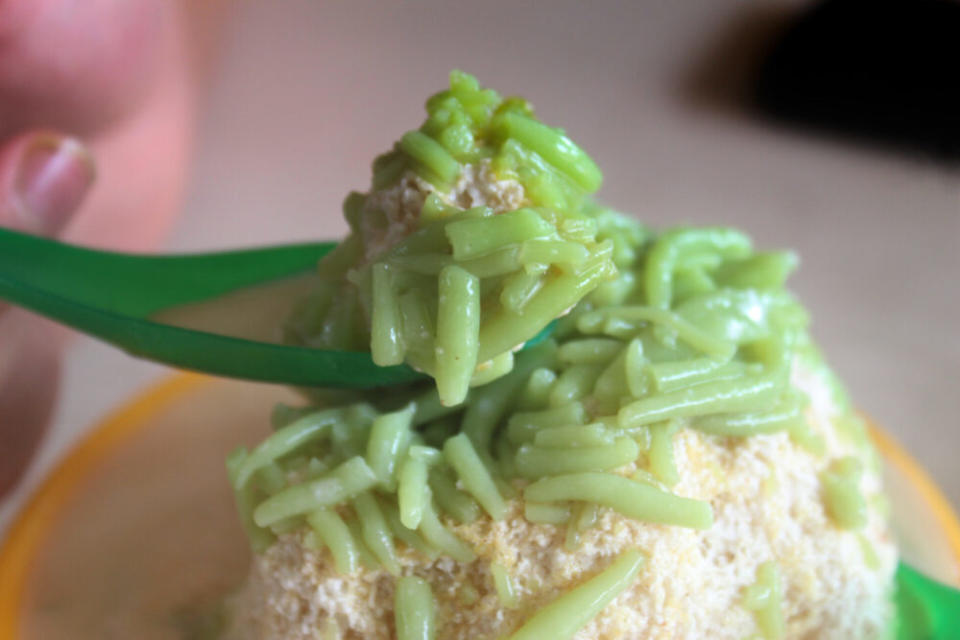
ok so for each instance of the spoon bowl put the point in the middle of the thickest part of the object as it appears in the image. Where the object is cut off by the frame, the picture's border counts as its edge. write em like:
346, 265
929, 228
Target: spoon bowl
121, 298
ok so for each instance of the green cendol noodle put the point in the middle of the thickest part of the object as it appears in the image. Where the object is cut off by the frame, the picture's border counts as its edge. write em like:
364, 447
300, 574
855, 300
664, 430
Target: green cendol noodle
463, 289
763, 598
689, 328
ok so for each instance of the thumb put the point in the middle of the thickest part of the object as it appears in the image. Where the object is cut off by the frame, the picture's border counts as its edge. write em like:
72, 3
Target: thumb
44, 176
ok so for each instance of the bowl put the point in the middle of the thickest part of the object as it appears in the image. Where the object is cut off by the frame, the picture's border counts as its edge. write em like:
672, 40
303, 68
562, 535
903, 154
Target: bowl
134, 535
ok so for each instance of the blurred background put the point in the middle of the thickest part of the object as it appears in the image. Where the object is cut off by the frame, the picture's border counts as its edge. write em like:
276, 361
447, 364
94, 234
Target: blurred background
306, 93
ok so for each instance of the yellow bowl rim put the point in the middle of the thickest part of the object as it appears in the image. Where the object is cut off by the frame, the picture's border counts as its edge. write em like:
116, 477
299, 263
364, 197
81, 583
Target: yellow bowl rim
30, 527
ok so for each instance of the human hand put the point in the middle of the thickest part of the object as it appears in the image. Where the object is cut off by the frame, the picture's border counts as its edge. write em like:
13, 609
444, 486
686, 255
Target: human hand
108, 80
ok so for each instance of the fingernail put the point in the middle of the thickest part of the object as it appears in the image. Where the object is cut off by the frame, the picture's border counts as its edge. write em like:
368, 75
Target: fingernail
53, 176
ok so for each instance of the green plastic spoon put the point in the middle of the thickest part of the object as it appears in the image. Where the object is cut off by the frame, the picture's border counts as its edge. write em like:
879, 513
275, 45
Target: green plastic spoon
113, 296
926, 609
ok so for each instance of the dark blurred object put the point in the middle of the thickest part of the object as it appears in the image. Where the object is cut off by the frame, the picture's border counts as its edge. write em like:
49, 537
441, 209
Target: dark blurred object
723, 71
885, 69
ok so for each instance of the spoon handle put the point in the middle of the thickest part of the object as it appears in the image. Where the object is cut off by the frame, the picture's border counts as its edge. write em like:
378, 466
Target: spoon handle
111, 296
135, 285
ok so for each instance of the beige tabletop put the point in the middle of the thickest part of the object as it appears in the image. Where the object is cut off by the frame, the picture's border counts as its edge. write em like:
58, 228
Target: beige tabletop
308, 92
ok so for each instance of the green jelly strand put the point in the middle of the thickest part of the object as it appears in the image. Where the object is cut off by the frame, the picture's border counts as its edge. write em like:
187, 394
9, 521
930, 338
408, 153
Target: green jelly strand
388, 168
576, 382
843, 499
487, 372
435, 163
551, 145
271, 478
413, 494
364, 555
584, 516
343, 483
589, 351
450, 499
408, 536
376, 532
476, 237
245, 500
635, 500
440, 537
458, 326
489, 404
662, 463
301, 432
536, 390
335, 534
523, 426
500, 332
786, 415
414, 609
389, 437
677, 245
555, 514
475, 477
536, 462
566, 615
504, 586
764, 599
386, 336
759, 271
725, 396
686, 331
870, 557
573, 437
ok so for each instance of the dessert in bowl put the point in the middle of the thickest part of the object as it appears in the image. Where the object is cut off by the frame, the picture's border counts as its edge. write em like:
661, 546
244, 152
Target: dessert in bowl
675, 461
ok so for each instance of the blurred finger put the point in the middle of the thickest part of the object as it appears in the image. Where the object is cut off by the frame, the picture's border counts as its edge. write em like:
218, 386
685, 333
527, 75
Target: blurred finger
78, 65
44, 178
29, 377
